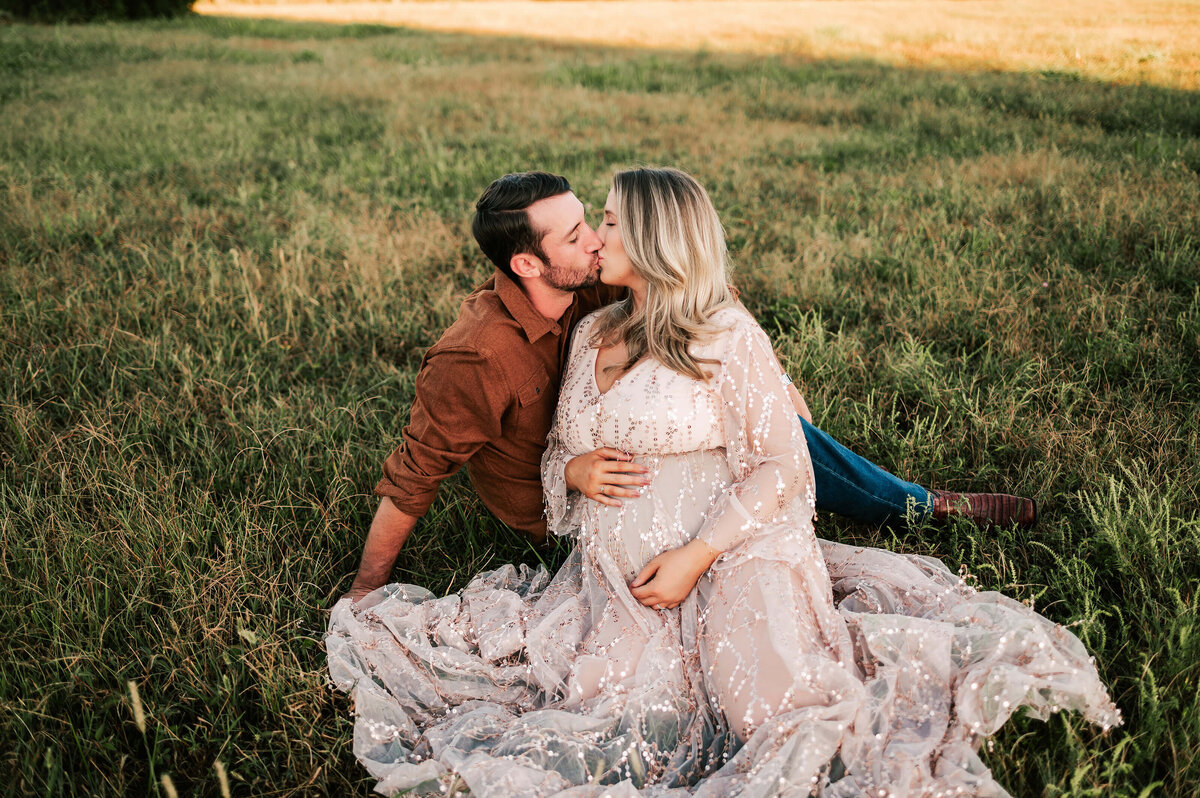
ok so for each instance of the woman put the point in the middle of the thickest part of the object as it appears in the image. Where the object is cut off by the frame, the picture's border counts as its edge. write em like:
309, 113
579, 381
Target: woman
699, 638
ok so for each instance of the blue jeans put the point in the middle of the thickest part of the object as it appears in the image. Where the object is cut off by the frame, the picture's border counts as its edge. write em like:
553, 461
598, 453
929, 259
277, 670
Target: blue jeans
851, 485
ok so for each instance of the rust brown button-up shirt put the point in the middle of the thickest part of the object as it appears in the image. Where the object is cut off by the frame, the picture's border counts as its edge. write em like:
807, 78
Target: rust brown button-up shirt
485, 397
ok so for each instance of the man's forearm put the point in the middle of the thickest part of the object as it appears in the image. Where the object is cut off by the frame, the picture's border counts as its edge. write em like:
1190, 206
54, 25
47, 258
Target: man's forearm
389, 530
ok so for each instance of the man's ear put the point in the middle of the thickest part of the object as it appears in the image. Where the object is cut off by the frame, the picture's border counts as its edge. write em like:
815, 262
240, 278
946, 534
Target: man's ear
524, 264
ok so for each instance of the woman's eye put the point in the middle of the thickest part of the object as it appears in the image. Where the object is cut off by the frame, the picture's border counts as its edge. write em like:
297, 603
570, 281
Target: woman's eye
610, 224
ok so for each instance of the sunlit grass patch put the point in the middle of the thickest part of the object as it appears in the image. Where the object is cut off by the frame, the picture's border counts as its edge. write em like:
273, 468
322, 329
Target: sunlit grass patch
1125, 41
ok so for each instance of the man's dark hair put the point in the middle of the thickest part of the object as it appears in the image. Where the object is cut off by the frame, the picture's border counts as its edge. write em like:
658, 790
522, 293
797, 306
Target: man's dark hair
501, 225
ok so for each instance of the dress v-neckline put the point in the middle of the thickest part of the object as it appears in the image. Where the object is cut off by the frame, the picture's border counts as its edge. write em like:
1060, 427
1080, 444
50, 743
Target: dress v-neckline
613, 384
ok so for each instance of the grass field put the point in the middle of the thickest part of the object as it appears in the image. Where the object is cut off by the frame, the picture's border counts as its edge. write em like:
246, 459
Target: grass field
225, 245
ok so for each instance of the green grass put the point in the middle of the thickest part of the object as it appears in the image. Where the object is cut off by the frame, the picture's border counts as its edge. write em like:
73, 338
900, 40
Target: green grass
224, 246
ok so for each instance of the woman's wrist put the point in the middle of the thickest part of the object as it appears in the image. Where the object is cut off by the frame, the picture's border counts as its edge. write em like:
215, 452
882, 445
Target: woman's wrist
704, 554
567, 475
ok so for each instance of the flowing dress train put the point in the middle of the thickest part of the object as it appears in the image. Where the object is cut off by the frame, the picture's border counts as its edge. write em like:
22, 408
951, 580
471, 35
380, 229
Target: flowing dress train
796, 666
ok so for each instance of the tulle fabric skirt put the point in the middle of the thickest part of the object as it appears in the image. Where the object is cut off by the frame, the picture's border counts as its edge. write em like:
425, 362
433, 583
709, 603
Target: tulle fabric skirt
524, 684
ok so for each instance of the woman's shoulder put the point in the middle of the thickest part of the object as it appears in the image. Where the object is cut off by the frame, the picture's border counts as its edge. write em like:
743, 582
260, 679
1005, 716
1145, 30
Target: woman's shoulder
732, 317
590, 318
725, 328
583, 327
730, 324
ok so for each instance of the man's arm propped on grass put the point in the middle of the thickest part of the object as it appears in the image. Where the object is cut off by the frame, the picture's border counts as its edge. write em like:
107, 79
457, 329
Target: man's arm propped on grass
389, 530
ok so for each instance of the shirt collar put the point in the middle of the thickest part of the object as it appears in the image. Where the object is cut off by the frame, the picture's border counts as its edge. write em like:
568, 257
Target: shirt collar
520, 308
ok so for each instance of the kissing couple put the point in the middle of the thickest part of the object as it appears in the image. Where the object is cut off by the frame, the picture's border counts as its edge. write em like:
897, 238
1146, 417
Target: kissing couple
607, 386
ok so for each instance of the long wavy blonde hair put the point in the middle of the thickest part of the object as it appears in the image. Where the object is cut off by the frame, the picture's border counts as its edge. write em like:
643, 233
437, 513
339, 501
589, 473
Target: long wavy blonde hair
675, 242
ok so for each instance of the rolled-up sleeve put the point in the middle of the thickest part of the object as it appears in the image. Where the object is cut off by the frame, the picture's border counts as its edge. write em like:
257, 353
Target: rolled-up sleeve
457, 410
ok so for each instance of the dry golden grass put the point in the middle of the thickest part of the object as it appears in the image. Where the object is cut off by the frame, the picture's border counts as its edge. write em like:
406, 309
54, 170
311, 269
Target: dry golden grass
1125, 41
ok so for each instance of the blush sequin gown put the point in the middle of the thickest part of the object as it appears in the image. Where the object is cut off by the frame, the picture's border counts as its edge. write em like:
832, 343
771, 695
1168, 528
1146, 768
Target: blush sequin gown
796, 666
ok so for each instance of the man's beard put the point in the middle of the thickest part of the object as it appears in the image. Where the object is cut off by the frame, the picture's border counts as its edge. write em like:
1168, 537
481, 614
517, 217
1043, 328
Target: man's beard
566, 279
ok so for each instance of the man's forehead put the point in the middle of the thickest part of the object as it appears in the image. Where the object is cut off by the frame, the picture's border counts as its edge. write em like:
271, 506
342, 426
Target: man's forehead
557, 214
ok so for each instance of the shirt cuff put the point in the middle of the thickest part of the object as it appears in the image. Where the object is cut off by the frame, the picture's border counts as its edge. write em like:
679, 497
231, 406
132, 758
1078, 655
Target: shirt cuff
414, 504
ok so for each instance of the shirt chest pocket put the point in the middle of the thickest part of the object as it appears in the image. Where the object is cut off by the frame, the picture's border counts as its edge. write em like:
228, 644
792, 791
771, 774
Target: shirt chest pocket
535, 408
534, 390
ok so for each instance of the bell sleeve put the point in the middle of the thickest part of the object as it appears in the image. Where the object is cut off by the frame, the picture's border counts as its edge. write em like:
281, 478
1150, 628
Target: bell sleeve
764, 441
564, 507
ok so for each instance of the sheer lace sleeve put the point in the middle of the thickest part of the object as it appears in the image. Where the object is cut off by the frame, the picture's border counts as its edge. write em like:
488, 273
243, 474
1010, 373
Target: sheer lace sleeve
562, 505
764, 442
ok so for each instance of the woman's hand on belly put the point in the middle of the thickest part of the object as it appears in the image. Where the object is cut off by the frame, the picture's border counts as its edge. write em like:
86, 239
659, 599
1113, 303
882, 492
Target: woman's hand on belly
604, 474
668, 579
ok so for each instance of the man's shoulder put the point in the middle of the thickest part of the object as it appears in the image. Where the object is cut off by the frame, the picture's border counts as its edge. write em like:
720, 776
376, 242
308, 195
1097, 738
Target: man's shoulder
483, 325
483, 346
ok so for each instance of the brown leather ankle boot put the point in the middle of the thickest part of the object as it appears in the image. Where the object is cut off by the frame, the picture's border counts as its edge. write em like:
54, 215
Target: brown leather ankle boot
985, 509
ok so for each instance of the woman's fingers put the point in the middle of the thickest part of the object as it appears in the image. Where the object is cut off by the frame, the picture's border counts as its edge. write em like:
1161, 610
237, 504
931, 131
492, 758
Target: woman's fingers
621, 466
610, 494
609, 453
604, 498
616, 490
643, 577
623, 478
650, 598
620, 484
656, 602
608, 476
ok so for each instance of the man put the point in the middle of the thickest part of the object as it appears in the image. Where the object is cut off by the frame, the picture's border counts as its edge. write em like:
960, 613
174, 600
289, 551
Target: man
487, 390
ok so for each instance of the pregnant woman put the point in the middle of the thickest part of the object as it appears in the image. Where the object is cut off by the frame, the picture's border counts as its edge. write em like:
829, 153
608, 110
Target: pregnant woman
700, 639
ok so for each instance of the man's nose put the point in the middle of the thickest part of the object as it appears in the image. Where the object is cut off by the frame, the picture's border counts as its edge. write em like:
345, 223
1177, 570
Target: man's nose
593, 241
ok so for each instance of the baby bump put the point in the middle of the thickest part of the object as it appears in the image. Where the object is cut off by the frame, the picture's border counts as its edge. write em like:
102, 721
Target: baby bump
669, 512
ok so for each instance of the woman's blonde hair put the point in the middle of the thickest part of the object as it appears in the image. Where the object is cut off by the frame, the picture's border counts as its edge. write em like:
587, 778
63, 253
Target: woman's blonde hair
675, 242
